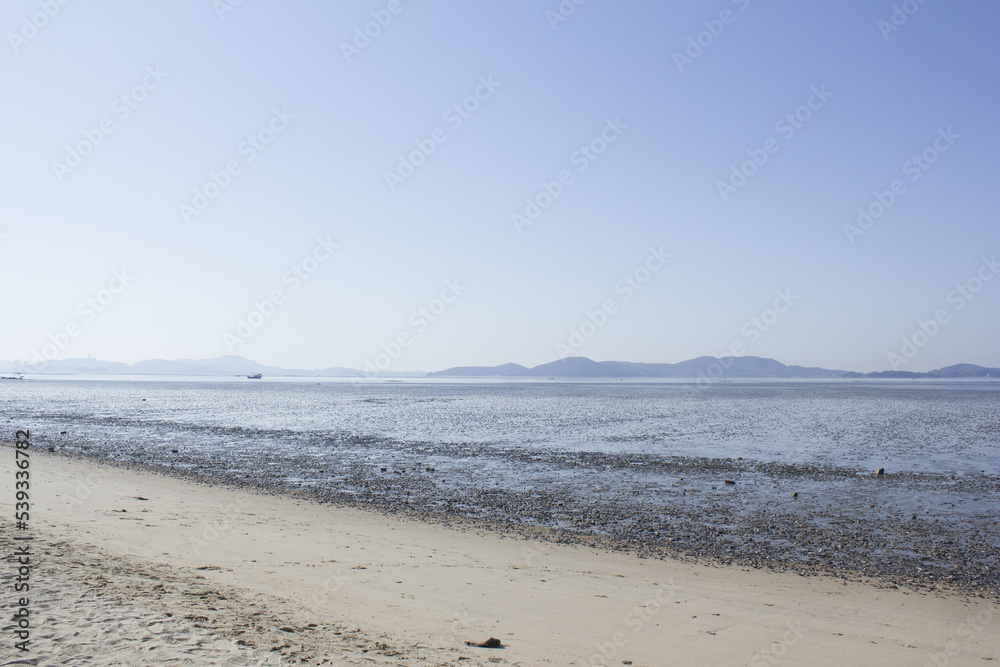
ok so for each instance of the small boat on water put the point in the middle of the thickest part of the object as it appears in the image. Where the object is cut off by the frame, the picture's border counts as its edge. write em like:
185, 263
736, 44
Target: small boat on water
255, 377
19, 376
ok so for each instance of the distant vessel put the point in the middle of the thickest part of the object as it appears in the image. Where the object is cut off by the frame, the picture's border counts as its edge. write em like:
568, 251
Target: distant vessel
12, 377
255, 377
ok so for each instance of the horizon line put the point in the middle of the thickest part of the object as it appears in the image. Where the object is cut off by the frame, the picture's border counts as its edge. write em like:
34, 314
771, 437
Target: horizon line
22, 364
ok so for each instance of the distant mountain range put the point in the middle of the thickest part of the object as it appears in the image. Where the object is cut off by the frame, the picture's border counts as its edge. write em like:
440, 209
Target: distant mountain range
710, 367
570, 367
582, 367
956, 371
228, 365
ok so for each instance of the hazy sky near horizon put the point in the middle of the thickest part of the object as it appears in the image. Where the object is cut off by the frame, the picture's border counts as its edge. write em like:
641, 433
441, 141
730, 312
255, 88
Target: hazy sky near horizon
470, 183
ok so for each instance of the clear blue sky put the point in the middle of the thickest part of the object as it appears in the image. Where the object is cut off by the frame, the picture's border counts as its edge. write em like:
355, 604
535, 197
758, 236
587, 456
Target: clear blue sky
196, 86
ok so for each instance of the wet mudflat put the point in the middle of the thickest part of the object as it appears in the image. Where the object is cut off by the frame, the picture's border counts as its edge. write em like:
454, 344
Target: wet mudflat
758, 474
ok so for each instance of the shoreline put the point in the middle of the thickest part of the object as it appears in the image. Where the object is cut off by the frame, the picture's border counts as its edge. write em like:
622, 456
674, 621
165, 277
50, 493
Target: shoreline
422, 589
833, 552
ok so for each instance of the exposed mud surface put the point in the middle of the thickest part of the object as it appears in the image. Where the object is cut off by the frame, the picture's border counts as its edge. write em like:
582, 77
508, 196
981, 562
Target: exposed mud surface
773, 474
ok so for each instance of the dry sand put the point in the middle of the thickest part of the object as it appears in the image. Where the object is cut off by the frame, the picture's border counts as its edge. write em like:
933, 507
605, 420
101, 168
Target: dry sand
194, 574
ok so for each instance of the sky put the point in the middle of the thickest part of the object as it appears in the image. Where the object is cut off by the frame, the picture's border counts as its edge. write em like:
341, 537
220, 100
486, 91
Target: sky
419, 185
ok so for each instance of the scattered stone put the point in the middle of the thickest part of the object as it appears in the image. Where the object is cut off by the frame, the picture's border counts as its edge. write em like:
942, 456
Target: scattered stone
881, 472
730, 482
795, 495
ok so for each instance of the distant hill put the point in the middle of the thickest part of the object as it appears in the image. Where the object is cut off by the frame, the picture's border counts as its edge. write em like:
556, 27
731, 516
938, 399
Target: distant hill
227, 365
965, 371
956, 371
69, 366
504, 370
712, 367
582, 367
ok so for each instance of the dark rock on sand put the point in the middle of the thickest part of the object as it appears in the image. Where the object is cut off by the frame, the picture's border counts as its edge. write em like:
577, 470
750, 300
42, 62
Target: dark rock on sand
492, 642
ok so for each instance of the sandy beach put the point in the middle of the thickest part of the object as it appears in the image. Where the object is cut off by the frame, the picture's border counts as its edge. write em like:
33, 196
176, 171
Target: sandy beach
133, 567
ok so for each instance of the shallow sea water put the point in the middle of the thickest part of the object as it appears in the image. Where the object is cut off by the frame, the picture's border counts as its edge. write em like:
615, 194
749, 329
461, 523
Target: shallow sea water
916, 426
